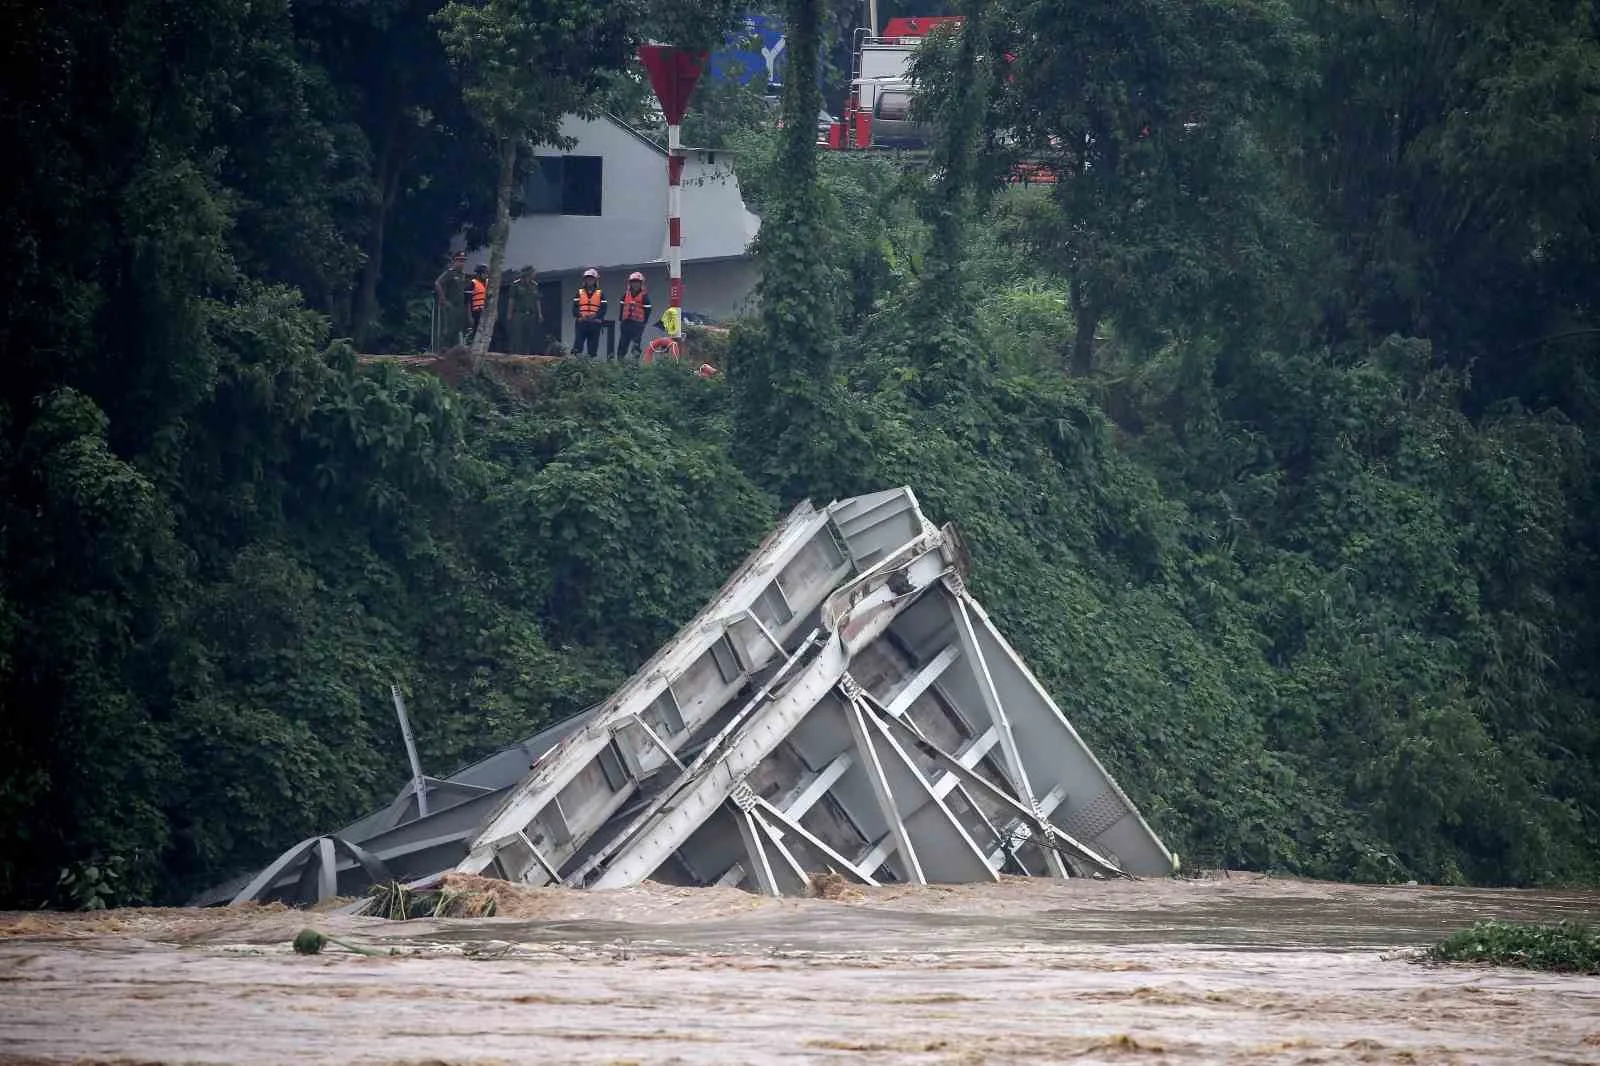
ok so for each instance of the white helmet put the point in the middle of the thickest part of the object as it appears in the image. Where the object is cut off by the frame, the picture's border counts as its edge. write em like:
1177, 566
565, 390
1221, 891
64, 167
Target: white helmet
636, 276
591, 273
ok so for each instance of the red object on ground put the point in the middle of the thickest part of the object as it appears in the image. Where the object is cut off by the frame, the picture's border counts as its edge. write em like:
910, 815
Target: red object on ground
661, 346
673, 75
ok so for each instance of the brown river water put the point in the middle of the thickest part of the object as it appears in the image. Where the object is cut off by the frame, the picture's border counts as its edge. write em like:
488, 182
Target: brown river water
1216, 970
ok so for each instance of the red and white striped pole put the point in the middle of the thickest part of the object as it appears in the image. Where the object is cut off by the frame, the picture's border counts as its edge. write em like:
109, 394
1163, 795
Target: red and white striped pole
675, 226
673, 73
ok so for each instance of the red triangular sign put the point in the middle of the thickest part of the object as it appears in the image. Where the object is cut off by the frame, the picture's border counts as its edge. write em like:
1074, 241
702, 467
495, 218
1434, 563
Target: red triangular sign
673, 74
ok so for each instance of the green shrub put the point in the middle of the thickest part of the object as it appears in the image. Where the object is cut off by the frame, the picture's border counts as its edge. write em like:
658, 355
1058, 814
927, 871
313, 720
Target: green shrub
1565, 947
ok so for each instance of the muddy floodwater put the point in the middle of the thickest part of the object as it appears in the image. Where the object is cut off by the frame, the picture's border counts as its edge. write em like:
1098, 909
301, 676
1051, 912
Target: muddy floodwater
1223, 969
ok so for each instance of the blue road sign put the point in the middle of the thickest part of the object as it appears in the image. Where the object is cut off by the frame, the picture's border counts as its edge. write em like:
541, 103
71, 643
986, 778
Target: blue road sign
753, 53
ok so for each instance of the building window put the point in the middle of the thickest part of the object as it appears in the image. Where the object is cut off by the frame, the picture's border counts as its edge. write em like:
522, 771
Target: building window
563, 185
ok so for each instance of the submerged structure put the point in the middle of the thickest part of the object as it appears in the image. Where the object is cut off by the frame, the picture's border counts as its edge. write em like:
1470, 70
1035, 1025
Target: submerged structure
843, 704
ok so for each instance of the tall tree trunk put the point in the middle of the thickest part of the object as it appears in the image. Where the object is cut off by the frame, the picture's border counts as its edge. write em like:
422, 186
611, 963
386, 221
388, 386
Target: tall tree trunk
796, 302
954, 162
497, 244
388, 183
1086, 317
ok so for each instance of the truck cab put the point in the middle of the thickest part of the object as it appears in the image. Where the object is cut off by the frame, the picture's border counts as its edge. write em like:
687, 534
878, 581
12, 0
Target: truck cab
892, 124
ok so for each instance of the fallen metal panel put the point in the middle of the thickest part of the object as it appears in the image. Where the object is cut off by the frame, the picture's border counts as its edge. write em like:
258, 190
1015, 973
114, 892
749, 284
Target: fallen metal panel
1096, 810
416, 847
688, 682
856, 614
842, 703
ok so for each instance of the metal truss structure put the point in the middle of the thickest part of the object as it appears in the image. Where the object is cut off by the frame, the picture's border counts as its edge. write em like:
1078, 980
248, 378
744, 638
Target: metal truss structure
843, 704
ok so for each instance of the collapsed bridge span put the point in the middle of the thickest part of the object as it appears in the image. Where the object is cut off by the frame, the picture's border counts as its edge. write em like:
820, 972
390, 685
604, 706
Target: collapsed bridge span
843, 704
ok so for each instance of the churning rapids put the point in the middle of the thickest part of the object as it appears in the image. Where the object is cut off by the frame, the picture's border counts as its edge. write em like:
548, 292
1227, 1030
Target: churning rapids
1234, 969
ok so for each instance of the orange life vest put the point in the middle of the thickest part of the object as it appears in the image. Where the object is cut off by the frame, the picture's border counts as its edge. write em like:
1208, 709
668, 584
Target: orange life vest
478, 293
589, 303
633, 305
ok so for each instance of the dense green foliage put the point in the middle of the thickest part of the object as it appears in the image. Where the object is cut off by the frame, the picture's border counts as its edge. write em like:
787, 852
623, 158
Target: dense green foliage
1566, 947
1272, 424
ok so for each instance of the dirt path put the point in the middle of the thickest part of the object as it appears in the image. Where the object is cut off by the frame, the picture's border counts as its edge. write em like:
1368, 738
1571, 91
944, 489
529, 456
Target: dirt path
1241, 970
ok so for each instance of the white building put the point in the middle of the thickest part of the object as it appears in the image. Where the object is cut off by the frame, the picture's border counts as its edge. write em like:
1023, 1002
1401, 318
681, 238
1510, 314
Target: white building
604, 205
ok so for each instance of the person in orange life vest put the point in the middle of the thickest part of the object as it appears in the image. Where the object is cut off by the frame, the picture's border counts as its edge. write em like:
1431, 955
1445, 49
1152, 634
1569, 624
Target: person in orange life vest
477, 295
588, 311
635, 313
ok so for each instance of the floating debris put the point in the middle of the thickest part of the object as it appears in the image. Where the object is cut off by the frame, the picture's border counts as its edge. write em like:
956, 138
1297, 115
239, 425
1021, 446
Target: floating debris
311, 942
449, 900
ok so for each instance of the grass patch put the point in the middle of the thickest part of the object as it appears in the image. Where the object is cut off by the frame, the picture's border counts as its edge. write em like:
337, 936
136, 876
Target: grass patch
1562, 947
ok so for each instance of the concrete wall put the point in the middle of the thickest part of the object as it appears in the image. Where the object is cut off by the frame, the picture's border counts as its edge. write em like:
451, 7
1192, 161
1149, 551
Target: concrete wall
632, 225
716, 223
718, 290
631, 230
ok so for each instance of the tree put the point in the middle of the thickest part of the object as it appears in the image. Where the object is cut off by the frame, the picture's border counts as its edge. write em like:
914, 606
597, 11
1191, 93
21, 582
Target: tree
524, 65
943, 306
1142, 109
1452, 151
790, 408
298, 166
425, 160
797, 313
115, 227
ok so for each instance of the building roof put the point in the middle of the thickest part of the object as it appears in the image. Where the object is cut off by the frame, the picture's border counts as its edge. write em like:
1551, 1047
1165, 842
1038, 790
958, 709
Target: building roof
634, 131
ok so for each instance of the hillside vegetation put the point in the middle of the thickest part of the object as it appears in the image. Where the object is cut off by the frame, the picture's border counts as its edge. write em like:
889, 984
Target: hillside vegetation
1272, 425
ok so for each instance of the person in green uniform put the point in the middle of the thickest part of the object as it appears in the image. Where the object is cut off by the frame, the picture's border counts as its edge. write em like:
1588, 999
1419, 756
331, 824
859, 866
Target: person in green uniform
449, 291
505, 328
522, 311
